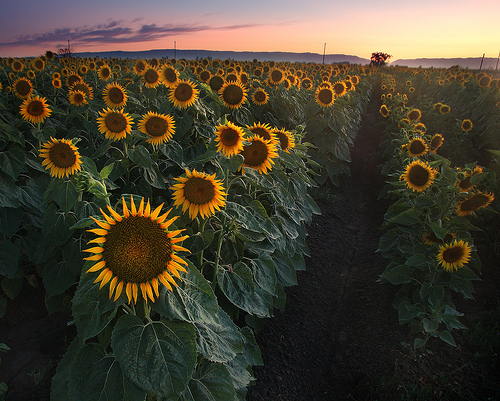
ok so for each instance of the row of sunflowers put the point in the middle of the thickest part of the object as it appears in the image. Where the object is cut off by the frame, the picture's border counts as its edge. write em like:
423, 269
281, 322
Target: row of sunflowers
442, 175
166, 203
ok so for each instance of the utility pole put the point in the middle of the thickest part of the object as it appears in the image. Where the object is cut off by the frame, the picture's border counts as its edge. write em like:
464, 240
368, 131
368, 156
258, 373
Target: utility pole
175, 50
481, 62
324, 52
69, 50
498, 58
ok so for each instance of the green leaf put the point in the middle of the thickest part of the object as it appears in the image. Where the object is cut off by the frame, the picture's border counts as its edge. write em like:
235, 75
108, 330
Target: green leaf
396, 275
106, 171
3, 306
447, 338
97, 376
9, 258
193, 300
406, 218
436, 295
57, 277
231, 163
11, 287
65, 194
10, 193
285, 270
158, 357
418, 343
419, 259
10, 220
210, 382
12, 161
219, 342
56, 226
140, 156
92, 308
173, 151
264, 273
439, 231
430, 326
60, 381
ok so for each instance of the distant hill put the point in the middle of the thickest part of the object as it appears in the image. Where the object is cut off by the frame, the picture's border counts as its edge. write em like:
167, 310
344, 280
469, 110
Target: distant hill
223, 55
471, 62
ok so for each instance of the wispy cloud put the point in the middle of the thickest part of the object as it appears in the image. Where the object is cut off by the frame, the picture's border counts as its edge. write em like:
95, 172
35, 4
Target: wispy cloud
111, 33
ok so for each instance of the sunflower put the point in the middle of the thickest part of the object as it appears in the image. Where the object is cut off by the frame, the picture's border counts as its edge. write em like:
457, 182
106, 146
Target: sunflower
431, 238
114, 124
417, 147
384, 110
160, 127
436, 142
199, 193
414, 115
183, 94
259, 154
151, 77
454, 255
260, 97
38, 64
114, 95
73, 79
418, 175
233, 94
325, 96
276, 76
104, 72
168, 75
22, 88
285, 138
77, 98
56, 83
264, 131
465, 184
420, 127
17, 66
444, 109
229, 138
306, 83
215, 82
474, 202
466, 125
82, 86
61, 157
437, 106
136, 251
35, 109
205, 75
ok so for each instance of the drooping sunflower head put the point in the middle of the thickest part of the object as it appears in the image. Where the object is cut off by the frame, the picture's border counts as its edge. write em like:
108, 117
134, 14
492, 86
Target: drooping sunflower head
135, 250
159, 127
419, 176
474, 202
151, 77
444, 109
82, 86
260, 97
22, 88
325, 96
72, 79
114, 95
431, 238
454, 255
61, 157
233, 94
139, 67
420, 127
466, 125
436, 142
35, 109
384, 110
285, 138
168, 75
230, 139
114, 124
77, 98
417, 147
265, 131
414, 115
259, 154
465, 184
199, 193
183, 94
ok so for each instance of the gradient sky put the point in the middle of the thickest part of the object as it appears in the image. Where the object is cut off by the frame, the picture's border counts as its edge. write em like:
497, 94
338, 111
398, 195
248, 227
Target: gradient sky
405, 29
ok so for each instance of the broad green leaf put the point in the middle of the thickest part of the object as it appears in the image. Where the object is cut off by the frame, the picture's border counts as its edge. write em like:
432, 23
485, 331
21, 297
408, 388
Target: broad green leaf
9, 258
60, 381
407, 218
285, 270
96, 376
10, 193
447, 338
12, 161
106, 171
264, 273
10, 220
57, 277
210, 382
193, 300
231, 163
56, 226
11, 287
396, 275
140, 156
439, 231
219, 342
419, 259
158, 357
436, 295
92, 308
65, 194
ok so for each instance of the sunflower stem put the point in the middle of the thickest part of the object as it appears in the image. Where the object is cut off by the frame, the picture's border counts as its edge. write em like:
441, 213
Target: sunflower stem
217, 256
128, 310
201, 230
443, 213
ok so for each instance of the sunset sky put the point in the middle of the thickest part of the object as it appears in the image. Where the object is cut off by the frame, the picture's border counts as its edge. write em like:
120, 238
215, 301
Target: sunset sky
405, 29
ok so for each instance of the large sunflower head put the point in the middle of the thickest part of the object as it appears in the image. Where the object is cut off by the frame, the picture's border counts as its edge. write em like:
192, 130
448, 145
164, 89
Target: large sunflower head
454, 255
22, 88
82, 86
199, 193
260, 97
259, 154
135, 250
104, 72
417, 147
325, 96
414, 115
265, 131
183, 94
139, 67
233, 94
474, 202
465, 183
215, 82
384, 110
444, 109
276, 76
61, 157
151, 77
230, 139
35, 109
285, 138
168, 75
160, 127
466, 125
77, 98
114, 95
114, 124
419, 176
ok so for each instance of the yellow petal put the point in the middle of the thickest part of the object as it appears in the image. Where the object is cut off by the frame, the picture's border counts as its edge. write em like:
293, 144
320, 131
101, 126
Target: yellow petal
134, 292
133, 209
118, 290
149, 291
97, 266
140, 212
144, 292
128, 290
98, 231
108, 219
154, 284
147, 210
112, 286
165, 282
156, 212
98, 240
125, 209
101, 224
115, 215
96, 249
94, 257
101, 275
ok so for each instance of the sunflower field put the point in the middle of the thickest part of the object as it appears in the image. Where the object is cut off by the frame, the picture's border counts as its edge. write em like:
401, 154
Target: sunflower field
166, 204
